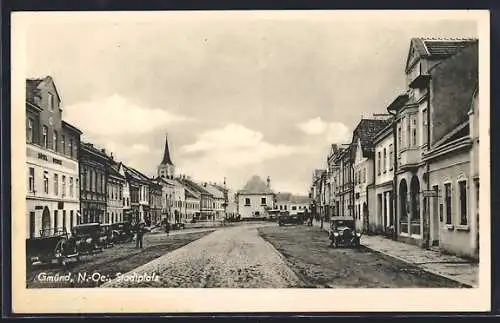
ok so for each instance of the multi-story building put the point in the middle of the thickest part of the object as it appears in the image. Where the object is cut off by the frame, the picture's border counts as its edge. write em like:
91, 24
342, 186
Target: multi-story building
167, 197
383, 219
346, 194
255, 199
363, 167
93, 183
282, 201
219, 199
52, 197
191, 204
316, 193
115, 183
139, 194
155, 201
334, 163
429, 119
299, 204
126, 200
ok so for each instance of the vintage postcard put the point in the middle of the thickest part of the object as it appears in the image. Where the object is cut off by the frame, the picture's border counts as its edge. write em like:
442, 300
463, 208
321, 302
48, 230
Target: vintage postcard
250, 161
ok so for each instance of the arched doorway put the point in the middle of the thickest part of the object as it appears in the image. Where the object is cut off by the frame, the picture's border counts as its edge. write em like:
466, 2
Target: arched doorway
415, 205
45, 222
403, 206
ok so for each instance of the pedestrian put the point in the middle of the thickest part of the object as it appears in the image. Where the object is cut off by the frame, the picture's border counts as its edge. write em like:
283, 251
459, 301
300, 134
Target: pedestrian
140, 234
167, 227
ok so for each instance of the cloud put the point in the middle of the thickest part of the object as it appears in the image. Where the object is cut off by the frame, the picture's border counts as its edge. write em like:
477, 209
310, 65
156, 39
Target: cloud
230, 147
334, 132
116, 115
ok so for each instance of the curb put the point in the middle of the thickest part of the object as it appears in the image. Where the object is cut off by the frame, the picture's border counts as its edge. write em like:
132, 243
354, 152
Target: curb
434, 272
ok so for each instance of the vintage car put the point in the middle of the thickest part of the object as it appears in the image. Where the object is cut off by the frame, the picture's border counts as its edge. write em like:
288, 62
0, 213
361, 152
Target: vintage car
343, 233
122, 232
106, 235
51, 248
177, 226
87, 238
286, 218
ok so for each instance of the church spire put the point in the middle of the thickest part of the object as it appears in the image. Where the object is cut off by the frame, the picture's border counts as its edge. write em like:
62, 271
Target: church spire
166, 155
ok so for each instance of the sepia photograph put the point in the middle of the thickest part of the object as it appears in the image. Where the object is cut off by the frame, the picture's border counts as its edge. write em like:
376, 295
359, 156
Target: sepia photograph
258, 160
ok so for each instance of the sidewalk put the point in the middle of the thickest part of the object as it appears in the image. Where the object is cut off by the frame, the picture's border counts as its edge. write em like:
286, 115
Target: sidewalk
451, 267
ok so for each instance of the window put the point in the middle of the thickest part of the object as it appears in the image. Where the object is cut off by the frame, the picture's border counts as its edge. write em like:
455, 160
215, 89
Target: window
46, 182
31, 180
71, 187
391, 157
384, 167
56, 184
63, 185
425, 128
247, 201
463, 202
29, 130
50, 101
281, 207
414, 130
447, 189
378, 163
294, 208
63, 144
55, 143
71, 219
44, 137
77, 188
263, 201
70, 147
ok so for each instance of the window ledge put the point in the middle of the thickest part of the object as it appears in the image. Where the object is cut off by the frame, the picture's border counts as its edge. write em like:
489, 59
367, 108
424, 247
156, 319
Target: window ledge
449, 226
463, 228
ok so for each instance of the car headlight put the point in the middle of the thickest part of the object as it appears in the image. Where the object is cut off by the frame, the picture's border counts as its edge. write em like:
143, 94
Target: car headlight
358, 234
336, 234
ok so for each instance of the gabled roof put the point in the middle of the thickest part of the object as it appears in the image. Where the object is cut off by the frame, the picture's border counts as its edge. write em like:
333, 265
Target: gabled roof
365, 132
193, 186
255, 185
435, 48
113, 171
135, 174
300, 199
283, 197
215, 191
32, 85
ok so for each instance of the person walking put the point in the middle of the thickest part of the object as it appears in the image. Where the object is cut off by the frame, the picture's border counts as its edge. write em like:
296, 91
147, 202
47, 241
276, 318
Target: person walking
167, 227
140, 234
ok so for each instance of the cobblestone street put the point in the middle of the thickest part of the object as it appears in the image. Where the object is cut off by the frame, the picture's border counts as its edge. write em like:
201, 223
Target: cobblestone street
295, 256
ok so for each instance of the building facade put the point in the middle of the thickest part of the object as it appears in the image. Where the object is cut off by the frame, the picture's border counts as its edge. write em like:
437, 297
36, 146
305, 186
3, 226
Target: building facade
52, 168
93, 183
116, 181
383, 220
255, 198
441, 76
126, 199
155, 201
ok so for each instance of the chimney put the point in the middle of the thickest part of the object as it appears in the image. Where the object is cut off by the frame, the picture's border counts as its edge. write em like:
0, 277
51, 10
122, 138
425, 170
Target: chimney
112, 158
268, 182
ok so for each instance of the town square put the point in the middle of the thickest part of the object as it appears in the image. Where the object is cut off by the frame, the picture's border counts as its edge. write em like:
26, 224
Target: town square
252, 154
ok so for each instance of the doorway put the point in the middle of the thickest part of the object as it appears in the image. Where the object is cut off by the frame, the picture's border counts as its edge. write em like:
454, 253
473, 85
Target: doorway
45, 222
435, 218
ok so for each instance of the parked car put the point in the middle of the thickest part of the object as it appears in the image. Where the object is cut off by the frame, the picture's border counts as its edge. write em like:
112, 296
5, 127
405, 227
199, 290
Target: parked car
87, 238
106, 236
51, 248
343, 232
286, 218
177, 226
122, 232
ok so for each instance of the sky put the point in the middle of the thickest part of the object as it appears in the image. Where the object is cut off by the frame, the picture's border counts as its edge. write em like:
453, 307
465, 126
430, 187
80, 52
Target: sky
237, 94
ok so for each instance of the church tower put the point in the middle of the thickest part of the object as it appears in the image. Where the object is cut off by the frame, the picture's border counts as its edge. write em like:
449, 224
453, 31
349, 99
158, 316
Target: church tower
166, 169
